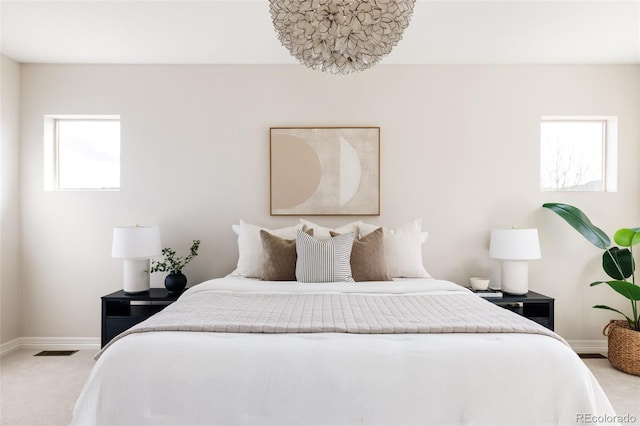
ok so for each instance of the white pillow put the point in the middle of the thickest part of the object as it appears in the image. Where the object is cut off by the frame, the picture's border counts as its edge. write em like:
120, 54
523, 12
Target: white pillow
323, 232
323, 260
402, 248
250, 251
423, 237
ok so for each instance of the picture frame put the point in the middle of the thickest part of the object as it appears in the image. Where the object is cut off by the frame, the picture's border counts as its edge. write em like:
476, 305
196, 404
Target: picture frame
324, 171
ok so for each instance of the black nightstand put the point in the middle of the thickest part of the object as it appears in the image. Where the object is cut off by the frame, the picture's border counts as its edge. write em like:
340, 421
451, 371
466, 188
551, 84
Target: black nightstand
120, 314
535, 306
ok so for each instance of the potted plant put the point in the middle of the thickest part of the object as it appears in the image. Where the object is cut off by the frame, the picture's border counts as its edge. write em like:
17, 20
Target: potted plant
618, 263
176, 281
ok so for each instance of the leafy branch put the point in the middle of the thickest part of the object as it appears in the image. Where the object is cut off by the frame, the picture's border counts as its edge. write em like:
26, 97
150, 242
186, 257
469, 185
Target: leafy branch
171, 262
617, 262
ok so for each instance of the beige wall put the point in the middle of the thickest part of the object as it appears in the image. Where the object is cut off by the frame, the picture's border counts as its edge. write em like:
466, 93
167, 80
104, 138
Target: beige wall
459, 149
10, 290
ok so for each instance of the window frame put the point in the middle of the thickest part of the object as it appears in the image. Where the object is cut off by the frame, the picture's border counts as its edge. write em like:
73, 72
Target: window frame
609, 150
52, 150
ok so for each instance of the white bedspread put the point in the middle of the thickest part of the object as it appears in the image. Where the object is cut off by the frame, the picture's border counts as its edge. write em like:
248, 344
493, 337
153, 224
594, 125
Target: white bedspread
201, 378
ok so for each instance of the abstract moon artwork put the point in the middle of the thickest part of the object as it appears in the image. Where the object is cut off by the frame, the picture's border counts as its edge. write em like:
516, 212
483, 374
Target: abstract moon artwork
325, 171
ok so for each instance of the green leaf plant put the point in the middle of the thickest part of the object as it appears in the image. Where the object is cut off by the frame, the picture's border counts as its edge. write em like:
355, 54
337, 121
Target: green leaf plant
174, 264
617, 263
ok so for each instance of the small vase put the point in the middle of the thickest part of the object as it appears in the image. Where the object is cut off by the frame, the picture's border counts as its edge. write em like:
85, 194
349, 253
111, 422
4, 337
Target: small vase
175, 282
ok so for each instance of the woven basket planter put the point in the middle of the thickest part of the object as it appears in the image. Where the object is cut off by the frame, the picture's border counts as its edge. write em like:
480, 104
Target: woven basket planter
624, 347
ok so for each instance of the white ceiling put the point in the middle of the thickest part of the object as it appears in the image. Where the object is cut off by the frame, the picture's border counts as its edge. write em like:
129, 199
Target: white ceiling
240, 32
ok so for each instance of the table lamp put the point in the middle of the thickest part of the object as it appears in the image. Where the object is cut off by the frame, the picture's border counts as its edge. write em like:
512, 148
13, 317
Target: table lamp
514, 247
136, 244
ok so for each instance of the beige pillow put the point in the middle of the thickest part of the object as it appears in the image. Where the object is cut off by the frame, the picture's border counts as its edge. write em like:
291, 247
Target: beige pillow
250, 253
402, 248
367, 257
322, 232
279, 257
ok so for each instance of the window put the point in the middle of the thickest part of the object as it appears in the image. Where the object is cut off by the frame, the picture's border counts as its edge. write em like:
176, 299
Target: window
82, 152
578, 154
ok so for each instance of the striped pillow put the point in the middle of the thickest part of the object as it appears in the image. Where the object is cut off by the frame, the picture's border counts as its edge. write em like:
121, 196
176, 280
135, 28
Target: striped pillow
323, 261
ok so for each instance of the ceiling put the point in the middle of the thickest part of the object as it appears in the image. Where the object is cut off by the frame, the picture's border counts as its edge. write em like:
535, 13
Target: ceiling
240, 32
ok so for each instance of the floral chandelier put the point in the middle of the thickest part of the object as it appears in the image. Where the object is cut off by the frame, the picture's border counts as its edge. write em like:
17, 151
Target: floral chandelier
340, 36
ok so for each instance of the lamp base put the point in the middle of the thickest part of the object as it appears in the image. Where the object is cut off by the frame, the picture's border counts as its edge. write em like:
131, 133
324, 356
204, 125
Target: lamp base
515, 277
136, 292
136, 276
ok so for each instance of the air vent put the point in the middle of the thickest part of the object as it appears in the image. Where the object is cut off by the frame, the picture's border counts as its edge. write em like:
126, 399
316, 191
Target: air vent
588, 356
55, 353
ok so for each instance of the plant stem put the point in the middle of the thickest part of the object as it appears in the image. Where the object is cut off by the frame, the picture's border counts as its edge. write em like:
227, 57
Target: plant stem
633, 265
634, 303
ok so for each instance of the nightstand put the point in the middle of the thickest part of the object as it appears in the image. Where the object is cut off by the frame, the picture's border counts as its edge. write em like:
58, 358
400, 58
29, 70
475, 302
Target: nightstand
121, 311
535, 306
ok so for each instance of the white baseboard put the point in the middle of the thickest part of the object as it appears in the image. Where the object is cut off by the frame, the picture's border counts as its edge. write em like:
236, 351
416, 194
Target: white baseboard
51, 344
589, 346
10, 346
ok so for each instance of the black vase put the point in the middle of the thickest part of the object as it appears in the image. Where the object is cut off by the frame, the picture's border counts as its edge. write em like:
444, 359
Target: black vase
175, 282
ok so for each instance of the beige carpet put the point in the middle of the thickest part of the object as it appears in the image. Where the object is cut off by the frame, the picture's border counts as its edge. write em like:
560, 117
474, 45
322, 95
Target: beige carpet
42, 390
37, 390
622, 389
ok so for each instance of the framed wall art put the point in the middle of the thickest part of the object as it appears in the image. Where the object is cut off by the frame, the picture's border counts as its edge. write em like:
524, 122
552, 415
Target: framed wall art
325, 171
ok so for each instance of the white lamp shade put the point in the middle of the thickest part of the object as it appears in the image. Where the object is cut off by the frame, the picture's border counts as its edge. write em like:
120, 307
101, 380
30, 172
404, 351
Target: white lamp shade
136, 242
514, 244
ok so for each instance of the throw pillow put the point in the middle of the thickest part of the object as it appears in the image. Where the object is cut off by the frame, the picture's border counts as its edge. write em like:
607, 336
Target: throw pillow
367, 257
250, 251
324, 232
321, 261
279, 257
402, 249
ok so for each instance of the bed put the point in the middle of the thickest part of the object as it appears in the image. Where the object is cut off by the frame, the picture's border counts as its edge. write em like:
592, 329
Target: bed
271, 345
239, 351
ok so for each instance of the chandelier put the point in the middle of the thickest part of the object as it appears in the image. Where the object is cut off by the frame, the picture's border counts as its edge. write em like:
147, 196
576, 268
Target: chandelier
340, 36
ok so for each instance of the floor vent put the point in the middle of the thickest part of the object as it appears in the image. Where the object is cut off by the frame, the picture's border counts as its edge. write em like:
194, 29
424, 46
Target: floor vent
55, 353
586, 356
